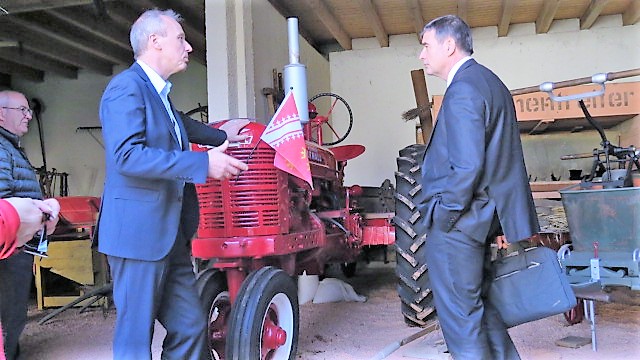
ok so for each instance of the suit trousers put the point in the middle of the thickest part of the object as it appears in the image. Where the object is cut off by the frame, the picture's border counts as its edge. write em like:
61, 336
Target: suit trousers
164, 290
16, 278
459, 272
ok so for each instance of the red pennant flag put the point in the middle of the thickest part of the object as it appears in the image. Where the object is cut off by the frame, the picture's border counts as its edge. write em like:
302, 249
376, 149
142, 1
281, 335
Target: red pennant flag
284, 135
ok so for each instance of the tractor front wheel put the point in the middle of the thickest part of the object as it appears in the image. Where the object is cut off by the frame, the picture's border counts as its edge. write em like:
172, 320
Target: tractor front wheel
264, 318
212, 287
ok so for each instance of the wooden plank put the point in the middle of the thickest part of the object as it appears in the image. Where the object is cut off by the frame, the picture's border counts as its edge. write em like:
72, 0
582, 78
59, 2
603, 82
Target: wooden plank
632, 14
618, 99
546, 186
505, 17
331, 23
413, 6
373, 19
593, 11
546, 15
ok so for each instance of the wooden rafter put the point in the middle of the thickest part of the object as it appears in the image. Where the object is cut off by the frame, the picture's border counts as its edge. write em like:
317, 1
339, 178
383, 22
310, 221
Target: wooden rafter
591, 14
373, 18
20, 6
21, 70
302, 30
463, 10
505, 17
632, 14
37, 61
545, 18
102, 29
413, 6
56, 50
331, 23
106, 52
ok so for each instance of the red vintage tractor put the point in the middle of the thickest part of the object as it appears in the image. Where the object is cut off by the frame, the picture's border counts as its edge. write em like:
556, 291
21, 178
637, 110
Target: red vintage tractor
261, 229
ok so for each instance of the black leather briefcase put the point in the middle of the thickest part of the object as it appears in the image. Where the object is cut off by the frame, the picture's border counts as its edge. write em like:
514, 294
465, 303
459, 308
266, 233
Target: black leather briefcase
530, 285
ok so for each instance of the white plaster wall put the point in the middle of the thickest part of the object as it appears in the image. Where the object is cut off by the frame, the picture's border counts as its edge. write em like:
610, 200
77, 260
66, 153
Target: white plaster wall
271, 51
70, 104
377, 81
73, 103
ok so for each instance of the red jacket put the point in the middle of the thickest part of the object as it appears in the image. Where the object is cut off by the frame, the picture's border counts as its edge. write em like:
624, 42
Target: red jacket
9, 224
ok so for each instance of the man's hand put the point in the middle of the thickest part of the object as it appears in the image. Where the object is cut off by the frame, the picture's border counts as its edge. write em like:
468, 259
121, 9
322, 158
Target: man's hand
223, 166
30, 218
232, 128
52, 208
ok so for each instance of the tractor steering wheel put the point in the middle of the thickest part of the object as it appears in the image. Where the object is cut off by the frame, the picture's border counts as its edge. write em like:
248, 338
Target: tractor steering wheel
335, 117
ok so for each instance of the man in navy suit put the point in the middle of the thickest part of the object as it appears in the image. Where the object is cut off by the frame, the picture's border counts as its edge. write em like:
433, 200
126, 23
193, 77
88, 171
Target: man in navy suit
150, 210
475, 187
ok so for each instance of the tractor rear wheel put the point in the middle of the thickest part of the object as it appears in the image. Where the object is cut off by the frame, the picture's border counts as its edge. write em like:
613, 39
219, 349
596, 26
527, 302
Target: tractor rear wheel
411, 267
264, 318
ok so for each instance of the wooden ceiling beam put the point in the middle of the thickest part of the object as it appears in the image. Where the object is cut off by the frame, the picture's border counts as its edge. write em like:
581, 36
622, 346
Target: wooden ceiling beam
632, 14
53, 49
39, 62
104, 51
463, 10
125, 14
10, 67
545, 18
102, 28
505, 17
20, 6
331, 23
413, 6
302, 30
375, 22
591, 14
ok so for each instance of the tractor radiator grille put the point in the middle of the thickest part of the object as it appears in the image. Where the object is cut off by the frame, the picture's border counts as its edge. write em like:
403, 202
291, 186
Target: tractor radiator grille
248, 205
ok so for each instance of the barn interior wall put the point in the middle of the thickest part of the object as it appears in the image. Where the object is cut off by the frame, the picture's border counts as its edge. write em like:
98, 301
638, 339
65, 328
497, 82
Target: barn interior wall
73, 103
377, 84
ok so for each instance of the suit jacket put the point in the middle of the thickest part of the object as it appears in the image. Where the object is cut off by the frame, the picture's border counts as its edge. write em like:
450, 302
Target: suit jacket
149, 178
474, 166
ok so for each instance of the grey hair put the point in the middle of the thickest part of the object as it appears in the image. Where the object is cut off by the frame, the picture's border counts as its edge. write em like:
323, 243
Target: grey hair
453, 26
5, 96
150, 22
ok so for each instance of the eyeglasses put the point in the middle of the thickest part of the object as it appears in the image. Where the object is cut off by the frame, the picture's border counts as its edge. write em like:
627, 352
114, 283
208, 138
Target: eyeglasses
25, 110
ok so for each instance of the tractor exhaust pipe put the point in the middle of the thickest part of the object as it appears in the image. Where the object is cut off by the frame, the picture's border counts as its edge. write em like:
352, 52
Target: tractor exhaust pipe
295, 73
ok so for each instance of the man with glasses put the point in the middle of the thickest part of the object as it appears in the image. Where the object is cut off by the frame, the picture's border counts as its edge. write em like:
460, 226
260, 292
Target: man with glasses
17, 179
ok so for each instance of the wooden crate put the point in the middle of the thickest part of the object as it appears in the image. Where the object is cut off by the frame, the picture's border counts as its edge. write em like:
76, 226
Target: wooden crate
76, 262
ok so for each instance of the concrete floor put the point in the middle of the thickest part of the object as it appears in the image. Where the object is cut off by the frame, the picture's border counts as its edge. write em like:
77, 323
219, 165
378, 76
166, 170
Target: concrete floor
352, 331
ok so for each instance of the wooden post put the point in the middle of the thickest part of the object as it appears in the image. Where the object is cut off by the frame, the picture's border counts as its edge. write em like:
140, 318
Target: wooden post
422, 100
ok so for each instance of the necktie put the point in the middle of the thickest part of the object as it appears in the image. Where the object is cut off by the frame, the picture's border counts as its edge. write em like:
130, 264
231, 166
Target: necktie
164, 95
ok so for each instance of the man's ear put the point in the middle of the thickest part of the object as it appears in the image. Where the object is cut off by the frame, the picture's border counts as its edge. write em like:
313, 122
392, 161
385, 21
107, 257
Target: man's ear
154, 41
450, 45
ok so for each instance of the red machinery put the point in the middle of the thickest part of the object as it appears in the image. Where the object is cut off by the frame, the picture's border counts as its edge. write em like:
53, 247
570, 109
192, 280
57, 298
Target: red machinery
264, 227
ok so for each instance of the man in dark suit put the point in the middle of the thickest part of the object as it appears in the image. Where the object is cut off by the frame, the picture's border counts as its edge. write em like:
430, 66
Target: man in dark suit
150, 209
475, 186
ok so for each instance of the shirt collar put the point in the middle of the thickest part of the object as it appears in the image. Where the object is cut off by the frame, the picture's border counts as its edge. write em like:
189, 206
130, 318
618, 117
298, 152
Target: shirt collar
158, 82
455, 69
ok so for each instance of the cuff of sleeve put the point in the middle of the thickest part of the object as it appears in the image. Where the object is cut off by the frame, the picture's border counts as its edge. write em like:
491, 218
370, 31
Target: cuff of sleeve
10, 220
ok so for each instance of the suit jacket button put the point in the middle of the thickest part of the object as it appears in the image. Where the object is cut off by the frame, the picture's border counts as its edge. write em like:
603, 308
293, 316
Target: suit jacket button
179, 198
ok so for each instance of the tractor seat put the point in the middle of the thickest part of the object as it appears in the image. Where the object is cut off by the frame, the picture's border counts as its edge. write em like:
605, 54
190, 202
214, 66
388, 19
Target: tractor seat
347, 152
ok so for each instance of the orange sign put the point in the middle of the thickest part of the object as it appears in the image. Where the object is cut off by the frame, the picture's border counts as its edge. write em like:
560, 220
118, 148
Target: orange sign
618, 99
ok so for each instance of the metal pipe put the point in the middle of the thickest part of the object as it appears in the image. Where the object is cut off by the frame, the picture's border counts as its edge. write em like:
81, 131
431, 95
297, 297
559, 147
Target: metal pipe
295, 73
580, 81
